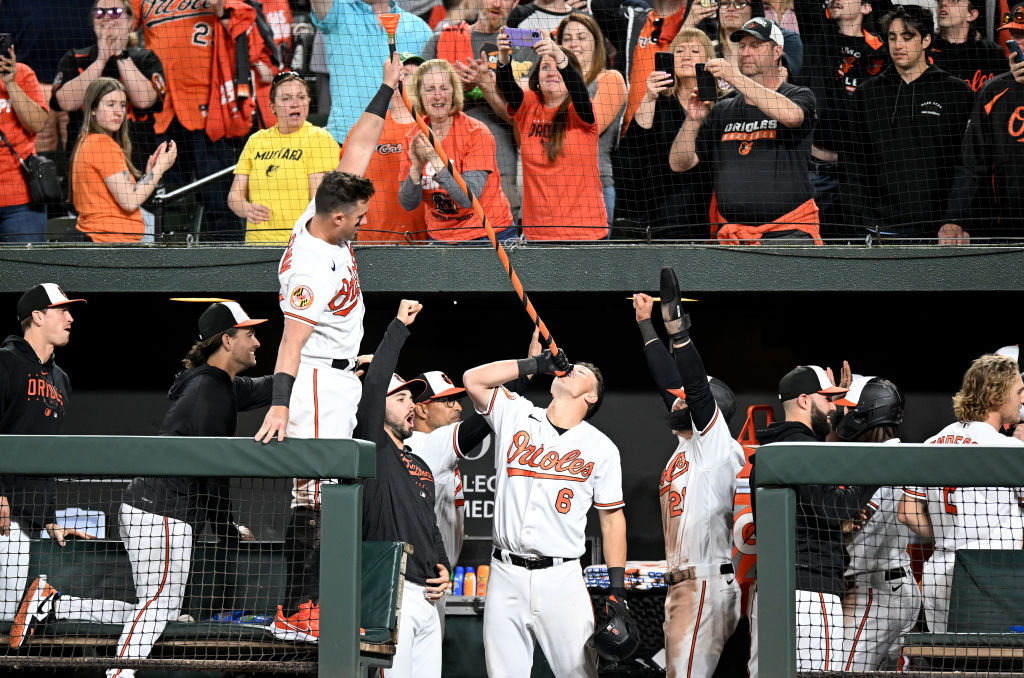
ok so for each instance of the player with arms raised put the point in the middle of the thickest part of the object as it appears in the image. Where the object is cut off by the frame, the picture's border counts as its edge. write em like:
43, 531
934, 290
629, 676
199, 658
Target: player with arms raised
552, 466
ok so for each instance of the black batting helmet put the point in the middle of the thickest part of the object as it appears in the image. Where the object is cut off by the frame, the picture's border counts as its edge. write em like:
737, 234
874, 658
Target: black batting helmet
617, 636
880, 402
724, 397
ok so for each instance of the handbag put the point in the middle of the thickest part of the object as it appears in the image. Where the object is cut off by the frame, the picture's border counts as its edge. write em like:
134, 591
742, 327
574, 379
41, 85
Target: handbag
40, 176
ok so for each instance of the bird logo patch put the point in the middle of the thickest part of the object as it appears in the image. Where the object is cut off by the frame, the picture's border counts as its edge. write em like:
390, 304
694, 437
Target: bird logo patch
301, 297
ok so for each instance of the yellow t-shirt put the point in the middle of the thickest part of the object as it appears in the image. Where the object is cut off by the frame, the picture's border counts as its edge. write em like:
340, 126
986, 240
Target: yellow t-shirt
278, 166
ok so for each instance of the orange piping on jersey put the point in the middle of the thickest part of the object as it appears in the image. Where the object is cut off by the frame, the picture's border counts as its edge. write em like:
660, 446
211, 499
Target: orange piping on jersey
299, 317
543, 476
860, 627
490, 406
713, 420
824, 623
621, 502
159, 590
664, 490
316, 411
919, 495
455, 439
696, 627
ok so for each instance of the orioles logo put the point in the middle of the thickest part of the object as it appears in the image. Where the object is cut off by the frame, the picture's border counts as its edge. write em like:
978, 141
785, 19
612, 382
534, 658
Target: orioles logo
875, 65
385, 149
1015, 126
300, 298
347, 297
746, 147
564, 466
445, 379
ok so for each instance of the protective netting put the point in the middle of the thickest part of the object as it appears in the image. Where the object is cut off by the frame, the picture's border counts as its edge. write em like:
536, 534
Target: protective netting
909, 578
841, 125
158, 573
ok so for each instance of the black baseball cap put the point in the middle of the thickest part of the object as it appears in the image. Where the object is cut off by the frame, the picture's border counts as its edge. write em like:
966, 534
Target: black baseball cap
410, 58
222, 316
439, 387
42, 296
762, 29
805, 380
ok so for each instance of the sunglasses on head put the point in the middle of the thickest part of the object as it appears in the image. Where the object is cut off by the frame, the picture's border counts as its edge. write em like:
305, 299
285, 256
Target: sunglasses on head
284, 75
1016, 16
112, 12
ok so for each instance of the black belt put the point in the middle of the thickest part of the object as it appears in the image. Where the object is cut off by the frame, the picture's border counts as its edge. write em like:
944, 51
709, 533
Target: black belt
676, 576
345, 364
894, 573
531, 563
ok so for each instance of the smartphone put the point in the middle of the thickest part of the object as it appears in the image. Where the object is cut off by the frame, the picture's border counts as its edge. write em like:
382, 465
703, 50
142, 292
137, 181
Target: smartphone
666, 63
706, 88
523, 37
1015, 48
5, 43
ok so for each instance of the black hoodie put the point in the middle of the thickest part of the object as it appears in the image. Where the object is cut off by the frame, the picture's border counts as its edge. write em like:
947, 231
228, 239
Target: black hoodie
205, 402
820, 511
975, 61
34, 399
907, 146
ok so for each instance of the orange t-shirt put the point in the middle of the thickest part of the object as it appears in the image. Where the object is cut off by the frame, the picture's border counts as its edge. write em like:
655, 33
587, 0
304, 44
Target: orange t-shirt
643, 57
548, 214
181, 34
99, 215
13, 190
386, 221
470, 146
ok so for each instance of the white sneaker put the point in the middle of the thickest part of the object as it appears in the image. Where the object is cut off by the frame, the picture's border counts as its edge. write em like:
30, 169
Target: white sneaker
38, 606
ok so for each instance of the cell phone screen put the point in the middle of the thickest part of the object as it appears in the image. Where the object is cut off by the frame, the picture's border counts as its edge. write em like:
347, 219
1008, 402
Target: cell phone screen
666, 63
5, 43
706, 88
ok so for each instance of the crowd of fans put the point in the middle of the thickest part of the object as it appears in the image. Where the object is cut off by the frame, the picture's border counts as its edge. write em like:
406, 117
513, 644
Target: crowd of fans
829, 121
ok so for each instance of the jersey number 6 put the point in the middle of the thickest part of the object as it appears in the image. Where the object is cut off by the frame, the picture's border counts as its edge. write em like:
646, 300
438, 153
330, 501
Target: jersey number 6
564, 501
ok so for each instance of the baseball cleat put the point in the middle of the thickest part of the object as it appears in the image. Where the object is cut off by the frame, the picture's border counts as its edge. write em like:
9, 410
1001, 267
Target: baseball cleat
304, 625
38, 606
676, 321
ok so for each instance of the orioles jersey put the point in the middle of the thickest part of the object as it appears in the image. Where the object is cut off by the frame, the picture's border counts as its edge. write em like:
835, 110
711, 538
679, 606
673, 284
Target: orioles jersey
440, 449
697, 491
181, 34
881, 544
320, 287
975, 517
546, 481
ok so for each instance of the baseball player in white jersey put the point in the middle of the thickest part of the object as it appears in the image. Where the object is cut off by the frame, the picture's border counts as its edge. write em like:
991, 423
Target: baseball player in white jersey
697, 490
552, 466
882, 601
969, 517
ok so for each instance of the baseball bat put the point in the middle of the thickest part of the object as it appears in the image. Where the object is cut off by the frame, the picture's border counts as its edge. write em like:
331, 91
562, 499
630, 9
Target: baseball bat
390, 24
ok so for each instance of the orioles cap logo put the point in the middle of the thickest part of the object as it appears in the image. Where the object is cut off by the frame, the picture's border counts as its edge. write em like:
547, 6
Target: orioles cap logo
301, 297
746, 147
445, 379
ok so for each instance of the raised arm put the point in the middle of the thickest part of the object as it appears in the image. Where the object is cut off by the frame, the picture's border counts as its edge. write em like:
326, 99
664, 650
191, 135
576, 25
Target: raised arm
363, 137
373, 402
659, 361
504, 78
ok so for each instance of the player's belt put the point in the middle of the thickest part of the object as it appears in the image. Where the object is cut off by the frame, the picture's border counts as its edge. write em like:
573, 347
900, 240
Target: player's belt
528, 562
345, 364
674, 577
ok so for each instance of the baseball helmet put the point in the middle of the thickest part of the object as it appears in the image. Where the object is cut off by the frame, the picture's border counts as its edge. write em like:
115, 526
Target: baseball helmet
880, 402
617, 636
724, 397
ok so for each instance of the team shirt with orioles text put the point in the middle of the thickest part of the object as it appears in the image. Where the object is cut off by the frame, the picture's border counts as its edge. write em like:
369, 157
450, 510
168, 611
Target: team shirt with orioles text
546, 482
973, 517
697, 491
320, 287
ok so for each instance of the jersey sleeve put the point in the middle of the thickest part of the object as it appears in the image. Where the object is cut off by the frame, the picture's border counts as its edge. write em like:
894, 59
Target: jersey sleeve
503, 409
66, 72
323, 152
804, 98
915, 492
607, 480
149, 65
306, 291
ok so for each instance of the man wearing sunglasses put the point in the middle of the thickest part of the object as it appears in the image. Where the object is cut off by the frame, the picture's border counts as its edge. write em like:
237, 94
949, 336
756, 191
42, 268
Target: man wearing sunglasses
138, 69
990, 154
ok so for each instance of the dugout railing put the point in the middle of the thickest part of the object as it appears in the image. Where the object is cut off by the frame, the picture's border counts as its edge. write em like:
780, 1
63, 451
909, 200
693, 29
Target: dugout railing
338, 652
783, 466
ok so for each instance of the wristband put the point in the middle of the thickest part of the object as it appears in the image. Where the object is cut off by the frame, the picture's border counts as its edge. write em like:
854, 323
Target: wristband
527, 366
647, 331
381, 100
617, 578
282, 395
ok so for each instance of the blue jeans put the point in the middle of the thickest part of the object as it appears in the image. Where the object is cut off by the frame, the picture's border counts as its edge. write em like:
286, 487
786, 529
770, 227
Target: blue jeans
23, 223
609, 205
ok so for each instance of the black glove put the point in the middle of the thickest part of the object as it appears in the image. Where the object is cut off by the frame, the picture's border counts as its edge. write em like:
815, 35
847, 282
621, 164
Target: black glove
549, 364
677, 323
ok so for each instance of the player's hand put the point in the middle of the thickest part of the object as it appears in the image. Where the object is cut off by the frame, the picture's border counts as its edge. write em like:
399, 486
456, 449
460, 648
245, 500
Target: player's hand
953, 234
5, 517
363, 361
644, 306
244, 533
256, 213
61, 534
393, 71
439, 585
845, 375
535, 348
274, 424
408, 309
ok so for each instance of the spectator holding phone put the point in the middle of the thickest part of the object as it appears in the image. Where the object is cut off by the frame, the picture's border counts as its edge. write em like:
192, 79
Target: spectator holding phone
759, 143
281, 167
581, 35
22, 116
115, 55
677, 202
558, 145
436, 93
107, 190
991, 148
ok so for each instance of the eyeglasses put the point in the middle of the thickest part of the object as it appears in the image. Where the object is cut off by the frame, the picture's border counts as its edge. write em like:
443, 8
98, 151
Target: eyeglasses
448, 402
112, 12
1016, 16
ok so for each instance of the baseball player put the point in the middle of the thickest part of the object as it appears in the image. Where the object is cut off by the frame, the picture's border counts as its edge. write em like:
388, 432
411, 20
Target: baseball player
991, 395
883, 602
398, 502
702, 606
35, 394
552, 466
159, 517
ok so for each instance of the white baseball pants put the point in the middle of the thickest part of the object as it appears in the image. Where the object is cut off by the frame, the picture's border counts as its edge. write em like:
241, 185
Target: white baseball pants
936, 581
419, 637
819, 631
752, 618
700, 616
324, 402
14, 559
881, 612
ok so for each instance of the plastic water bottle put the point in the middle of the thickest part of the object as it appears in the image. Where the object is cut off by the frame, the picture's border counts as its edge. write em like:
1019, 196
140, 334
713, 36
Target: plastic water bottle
460, 573
482, 574
469, 583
